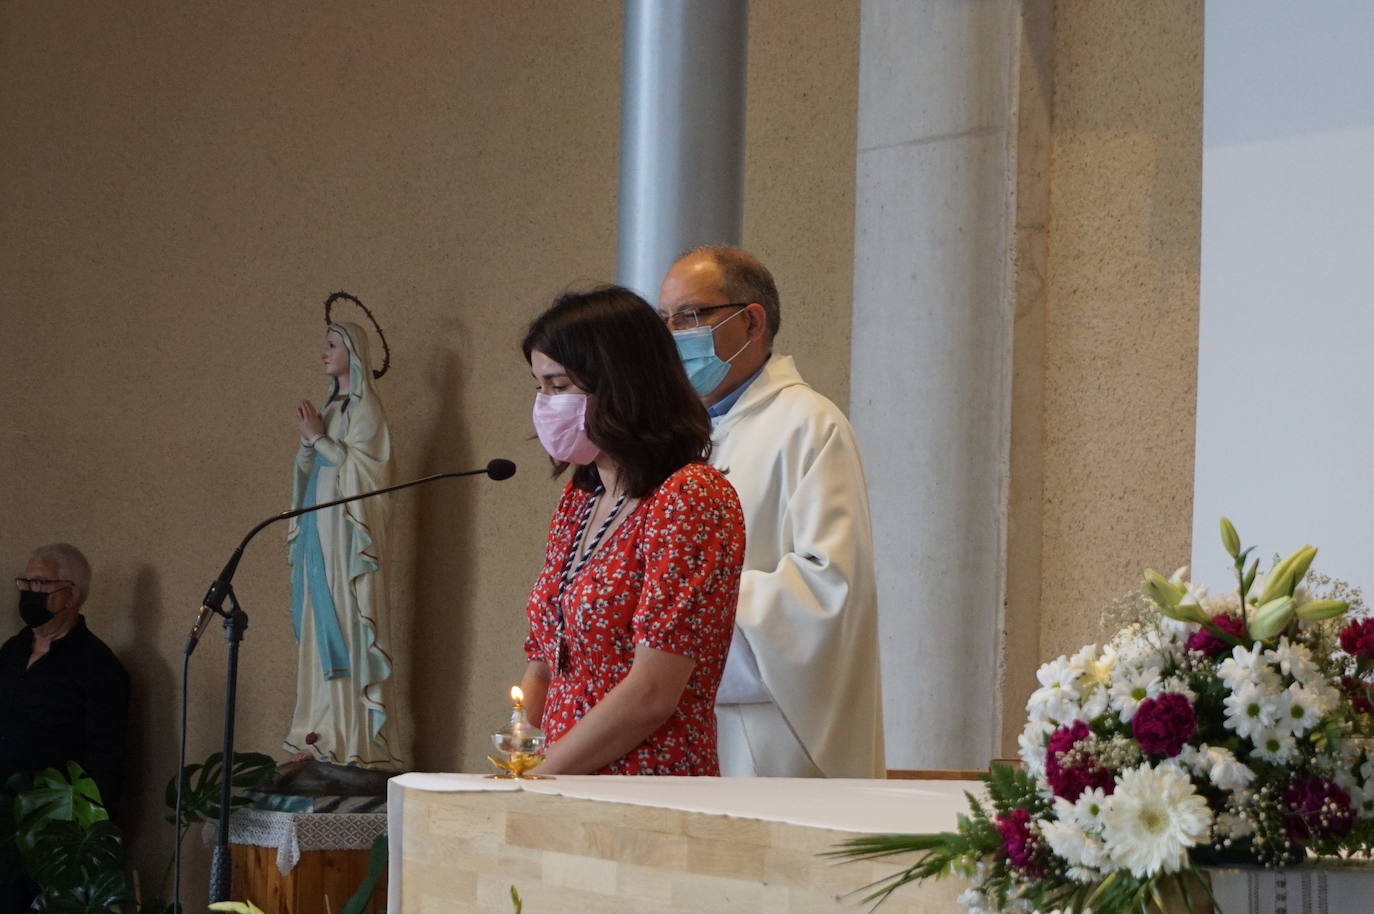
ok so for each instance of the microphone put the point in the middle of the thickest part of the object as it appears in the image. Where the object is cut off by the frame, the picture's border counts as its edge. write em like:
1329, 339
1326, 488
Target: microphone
500, 469
496, 469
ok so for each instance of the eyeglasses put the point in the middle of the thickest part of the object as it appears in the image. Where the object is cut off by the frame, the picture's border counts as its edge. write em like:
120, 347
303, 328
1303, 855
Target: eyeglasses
690, 318
41, 585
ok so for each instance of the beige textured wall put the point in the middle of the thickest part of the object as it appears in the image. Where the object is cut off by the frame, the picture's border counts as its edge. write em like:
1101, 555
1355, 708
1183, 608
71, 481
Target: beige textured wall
183, 183
1104, 406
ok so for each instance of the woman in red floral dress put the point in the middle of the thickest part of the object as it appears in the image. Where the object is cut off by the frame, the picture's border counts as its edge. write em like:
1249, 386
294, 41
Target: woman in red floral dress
630, 619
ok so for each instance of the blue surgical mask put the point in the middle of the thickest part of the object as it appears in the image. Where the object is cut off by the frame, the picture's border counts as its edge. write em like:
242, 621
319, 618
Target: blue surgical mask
697, 348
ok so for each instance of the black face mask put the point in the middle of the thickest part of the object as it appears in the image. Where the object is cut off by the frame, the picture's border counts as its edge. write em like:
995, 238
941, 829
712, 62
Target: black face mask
33, 608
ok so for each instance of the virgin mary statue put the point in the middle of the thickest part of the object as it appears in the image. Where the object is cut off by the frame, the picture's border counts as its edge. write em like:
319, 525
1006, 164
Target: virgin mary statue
337, 558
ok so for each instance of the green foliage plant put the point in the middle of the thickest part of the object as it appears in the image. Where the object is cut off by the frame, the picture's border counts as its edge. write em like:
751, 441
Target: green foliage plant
67, 844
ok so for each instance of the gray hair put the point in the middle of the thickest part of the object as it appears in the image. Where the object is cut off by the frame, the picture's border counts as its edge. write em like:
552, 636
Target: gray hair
744, 279
71, 564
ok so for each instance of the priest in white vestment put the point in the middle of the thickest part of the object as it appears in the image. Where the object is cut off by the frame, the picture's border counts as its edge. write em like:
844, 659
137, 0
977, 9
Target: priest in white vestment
801, 694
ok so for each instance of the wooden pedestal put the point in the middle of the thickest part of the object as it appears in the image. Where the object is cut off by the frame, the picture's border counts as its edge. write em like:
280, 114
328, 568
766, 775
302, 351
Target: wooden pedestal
335, 875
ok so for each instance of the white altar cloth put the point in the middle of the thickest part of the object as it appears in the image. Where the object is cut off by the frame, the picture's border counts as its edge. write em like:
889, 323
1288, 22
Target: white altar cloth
841, 804
293, 833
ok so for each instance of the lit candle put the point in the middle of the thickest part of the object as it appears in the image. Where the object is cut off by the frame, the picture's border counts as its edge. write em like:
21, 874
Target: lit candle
519, 740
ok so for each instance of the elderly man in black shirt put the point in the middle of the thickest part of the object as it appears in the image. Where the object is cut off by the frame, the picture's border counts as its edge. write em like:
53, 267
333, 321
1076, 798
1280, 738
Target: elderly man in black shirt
64, 695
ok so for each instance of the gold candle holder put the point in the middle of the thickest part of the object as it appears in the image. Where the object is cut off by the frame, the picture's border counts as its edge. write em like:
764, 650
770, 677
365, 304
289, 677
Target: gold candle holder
521, 742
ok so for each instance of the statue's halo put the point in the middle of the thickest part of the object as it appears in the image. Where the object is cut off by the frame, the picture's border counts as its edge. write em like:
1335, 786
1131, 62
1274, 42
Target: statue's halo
329, 319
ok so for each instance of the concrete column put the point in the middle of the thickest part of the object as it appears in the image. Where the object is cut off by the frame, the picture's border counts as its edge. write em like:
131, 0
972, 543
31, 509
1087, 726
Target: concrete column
682, 133
931, 359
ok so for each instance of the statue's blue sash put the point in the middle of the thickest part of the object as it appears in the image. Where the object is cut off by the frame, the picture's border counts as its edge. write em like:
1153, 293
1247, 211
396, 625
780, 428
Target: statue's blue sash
308, 576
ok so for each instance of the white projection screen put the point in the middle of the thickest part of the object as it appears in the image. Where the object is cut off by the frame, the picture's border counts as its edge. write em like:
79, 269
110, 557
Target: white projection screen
1285, 417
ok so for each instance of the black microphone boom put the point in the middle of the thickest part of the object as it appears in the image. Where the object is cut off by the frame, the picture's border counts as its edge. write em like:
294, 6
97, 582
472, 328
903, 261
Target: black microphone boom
213, 604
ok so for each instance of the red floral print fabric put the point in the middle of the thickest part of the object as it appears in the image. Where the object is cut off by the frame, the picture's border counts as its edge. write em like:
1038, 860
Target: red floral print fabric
666, 578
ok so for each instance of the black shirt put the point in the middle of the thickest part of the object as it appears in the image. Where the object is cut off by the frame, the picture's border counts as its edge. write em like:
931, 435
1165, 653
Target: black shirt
71, 705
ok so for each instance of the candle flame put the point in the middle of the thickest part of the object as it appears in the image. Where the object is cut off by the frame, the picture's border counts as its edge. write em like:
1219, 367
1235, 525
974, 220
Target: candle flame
516, 695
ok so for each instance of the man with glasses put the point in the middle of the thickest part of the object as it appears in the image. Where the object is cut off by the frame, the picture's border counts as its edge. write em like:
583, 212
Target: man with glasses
800, 696
63, 694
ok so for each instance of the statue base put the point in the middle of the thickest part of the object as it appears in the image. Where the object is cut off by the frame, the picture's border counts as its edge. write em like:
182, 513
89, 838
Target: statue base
308, 785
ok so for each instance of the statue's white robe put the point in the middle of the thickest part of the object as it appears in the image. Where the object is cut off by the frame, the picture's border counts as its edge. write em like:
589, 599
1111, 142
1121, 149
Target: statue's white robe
801, 695
343, 717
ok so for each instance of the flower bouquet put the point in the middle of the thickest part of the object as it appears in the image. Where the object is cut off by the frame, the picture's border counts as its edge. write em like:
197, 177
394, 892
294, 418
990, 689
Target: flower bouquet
1210, 729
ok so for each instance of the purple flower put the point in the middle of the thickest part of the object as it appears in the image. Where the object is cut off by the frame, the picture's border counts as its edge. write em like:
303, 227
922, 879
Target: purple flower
1020, 844
1357, 639
1071, 770
1208, 643
1164, 725
1316, 808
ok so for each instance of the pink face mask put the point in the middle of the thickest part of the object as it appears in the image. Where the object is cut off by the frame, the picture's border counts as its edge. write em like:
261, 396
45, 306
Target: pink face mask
561, 422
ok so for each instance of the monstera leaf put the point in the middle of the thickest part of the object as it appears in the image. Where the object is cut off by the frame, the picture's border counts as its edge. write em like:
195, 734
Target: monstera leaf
200, 795
56, 797
63, 855
67, 797
105, 893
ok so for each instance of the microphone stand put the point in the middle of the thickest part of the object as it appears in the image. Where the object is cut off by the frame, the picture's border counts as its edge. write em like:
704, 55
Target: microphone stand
235, 622
221, 868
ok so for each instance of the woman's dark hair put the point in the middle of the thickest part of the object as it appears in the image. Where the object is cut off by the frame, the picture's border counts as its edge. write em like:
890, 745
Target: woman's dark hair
642, 410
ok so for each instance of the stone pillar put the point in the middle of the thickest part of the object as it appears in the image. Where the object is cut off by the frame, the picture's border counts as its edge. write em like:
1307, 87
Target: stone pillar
931, 359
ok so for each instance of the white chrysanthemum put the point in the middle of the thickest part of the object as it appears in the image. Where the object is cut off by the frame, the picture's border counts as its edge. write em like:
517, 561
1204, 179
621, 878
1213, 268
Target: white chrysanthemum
1097, 670
1347, 780
1031, 744
976, 902
1300, 708
1093, 704
1294, 660
1059, 674
1085, 812
1248, 666
1323, 696
1250, 708
1074, 844
1080, 660
1218, 765
1273, 744
1152, 819
1364, 805
1057, 697
1036, 714
1132, 685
